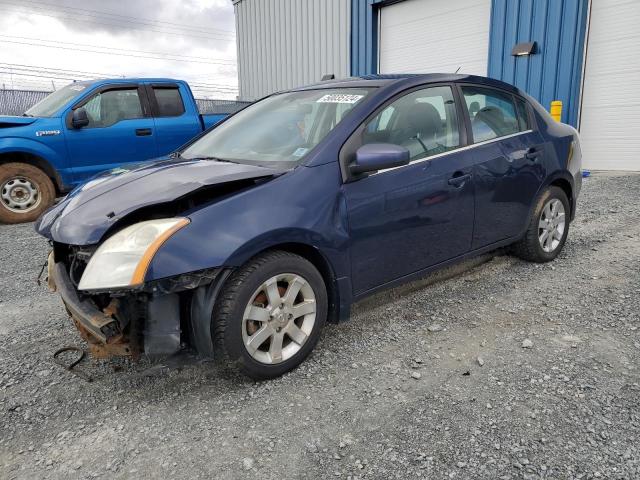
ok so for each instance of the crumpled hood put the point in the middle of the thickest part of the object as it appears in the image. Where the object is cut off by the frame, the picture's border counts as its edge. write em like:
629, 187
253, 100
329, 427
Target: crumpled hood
83, 217
8, 121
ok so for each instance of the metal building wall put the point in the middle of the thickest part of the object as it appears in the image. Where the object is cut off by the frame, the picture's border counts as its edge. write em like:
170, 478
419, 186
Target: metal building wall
287, 43
554, 73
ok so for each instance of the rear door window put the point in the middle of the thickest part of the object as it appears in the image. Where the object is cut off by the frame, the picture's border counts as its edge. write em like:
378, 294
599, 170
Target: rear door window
492, 113
169, 102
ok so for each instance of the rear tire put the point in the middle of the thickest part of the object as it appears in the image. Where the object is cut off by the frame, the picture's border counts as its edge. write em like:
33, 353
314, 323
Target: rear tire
25, 192
548, 228
269, 315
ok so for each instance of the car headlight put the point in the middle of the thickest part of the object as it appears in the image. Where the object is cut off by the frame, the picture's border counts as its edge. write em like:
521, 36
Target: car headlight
122, 260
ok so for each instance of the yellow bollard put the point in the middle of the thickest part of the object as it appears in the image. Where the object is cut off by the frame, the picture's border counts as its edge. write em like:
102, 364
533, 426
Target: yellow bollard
556, 110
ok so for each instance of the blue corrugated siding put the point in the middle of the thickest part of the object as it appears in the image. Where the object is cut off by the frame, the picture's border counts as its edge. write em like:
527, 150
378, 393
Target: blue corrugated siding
364, 37
554, 73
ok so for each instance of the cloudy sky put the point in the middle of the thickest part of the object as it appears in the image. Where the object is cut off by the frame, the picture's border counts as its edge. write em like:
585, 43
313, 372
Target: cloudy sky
46, 43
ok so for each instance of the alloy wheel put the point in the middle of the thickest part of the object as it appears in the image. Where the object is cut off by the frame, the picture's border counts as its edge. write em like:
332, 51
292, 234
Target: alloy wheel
279, 318
551, 225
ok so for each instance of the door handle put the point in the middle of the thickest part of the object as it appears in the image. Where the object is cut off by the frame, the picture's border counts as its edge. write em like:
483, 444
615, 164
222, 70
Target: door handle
143, 132
532, 154
459, 179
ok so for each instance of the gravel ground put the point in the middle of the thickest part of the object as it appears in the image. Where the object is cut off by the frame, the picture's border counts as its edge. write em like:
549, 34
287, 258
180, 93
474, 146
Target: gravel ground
505, 370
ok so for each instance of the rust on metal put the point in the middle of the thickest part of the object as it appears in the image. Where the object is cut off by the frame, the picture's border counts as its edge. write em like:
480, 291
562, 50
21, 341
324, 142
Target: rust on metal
119, 347
100, 350
112, 309
115, 346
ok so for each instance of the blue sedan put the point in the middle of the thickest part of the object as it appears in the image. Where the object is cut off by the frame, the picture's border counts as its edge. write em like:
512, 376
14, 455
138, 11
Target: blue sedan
245, 242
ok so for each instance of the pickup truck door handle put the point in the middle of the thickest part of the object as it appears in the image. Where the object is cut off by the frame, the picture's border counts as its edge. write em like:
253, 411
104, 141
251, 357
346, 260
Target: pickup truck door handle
532, 154
143, 132
459, 179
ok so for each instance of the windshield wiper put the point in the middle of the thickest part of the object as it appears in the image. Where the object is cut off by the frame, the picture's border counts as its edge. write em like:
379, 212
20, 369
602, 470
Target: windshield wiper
26, 115
215, 159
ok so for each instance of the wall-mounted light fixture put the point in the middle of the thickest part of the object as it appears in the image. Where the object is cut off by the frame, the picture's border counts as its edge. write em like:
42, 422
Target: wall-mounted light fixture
525, 48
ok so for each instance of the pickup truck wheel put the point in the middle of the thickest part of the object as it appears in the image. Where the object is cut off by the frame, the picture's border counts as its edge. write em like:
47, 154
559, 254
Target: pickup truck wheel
25, 192
269, 315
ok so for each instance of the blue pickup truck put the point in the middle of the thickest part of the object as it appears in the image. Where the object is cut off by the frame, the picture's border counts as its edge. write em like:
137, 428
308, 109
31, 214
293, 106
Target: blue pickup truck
85, 128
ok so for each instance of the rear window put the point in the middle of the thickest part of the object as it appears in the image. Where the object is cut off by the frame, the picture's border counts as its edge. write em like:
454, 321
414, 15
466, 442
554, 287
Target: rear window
169, 102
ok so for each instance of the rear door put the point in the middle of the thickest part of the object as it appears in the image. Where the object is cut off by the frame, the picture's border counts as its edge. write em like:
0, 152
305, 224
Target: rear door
120, 131
175, 116
509, 162
406, 219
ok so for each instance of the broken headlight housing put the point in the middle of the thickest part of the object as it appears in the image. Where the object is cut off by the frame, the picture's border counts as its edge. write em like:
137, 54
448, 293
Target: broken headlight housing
122, 260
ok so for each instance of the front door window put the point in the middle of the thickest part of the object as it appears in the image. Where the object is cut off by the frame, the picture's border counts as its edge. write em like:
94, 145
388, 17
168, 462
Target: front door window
424, 122
112, 106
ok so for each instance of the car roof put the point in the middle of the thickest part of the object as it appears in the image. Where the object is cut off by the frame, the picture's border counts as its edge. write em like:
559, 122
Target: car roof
408, 79
106, 81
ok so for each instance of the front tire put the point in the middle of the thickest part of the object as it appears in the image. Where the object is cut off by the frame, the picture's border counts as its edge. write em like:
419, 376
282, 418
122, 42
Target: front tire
269, 315
548, 228
25, 192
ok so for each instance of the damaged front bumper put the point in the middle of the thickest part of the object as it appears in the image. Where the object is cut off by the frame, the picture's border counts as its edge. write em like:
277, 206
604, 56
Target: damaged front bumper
98, 327
154, 319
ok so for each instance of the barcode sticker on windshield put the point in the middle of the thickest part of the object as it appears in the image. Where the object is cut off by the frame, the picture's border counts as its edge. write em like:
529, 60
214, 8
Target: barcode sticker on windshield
300, 152
77, 88
339, 98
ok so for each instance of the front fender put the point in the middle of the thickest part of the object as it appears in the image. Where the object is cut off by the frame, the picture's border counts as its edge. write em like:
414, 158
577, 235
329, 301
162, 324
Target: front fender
303, 207
189, 250
53, 153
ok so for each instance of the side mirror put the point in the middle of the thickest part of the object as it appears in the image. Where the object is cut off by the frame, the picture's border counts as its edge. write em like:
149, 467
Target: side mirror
80, 118
378, 156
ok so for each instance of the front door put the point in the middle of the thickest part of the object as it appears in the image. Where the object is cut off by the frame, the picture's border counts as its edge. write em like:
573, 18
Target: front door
119, 132
509, 166
406, 219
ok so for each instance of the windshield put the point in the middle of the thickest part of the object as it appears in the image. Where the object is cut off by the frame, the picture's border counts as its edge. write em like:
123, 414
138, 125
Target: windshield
280, 129
50, 104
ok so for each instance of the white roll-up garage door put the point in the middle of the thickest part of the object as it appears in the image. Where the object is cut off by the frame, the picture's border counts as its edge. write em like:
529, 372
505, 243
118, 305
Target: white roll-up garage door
423, 36
610, 116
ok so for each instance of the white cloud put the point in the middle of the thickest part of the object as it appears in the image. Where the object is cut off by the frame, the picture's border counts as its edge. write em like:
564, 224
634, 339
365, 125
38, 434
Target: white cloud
191, 40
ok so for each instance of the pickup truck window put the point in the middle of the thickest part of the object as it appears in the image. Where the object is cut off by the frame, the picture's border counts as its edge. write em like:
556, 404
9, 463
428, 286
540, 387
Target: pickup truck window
279, 130
169, 101
110, 107
51, 104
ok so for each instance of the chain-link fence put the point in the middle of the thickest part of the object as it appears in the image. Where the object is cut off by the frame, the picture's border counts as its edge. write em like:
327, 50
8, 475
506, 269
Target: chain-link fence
16, 102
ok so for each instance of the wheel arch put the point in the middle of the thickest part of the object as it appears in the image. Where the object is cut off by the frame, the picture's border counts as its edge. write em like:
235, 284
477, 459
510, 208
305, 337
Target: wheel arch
560, 179
204, 298
567, 188
322, 264
36, 161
